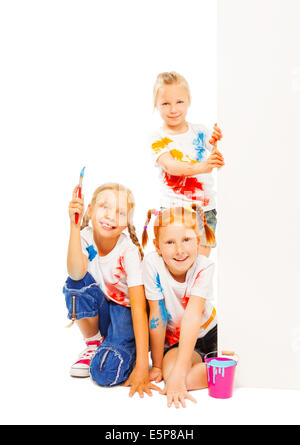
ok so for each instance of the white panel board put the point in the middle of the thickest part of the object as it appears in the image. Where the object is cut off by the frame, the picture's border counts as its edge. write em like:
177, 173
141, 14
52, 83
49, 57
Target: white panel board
258, 189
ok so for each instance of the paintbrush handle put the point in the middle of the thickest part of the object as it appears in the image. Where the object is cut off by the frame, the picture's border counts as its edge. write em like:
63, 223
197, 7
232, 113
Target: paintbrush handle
79, 192
79, 196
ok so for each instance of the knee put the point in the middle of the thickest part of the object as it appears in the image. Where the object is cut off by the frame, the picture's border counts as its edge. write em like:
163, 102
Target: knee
83, 298
168, 362
87, 280
112, 365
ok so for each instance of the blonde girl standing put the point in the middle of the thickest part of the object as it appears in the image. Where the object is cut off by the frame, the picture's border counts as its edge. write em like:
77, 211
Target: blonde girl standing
184, 153
104, 291
178, 287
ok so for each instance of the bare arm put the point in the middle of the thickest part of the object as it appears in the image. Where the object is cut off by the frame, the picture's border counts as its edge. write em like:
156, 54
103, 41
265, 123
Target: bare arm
140, 325
157, 334
175, 389
77, 262
139, 378
190, 326
179, 168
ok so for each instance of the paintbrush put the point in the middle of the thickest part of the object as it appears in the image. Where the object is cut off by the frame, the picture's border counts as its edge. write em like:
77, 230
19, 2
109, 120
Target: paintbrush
79, 192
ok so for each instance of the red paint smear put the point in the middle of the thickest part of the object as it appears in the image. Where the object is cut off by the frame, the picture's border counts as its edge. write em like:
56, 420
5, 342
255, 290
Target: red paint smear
198, 276
120, 270
188, 186
115, 294
184, 301
172, 336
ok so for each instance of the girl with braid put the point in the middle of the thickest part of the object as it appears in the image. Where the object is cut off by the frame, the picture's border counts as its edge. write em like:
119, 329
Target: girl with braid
104, 291
178, 286
184, 153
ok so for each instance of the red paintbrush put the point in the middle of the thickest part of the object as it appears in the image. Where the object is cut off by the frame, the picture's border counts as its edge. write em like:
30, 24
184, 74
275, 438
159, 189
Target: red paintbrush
79, 192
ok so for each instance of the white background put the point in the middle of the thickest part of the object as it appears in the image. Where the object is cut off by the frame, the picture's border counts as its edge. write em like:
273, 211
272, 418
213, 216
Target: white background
76, 90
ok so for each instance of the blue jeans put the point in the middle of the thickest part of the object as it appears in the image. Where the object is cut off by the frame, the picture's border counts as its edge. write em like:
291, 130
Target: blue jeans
115, 357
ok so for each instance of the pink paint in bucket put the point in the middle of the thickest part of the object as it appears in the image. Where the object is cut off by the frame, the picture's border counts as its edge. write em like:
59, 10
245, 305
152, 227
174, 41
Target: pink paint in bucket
220, 375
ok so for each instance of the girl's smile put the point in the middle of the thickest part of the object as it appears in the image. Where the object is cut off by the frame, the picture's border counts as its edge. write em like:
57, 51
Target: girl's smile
107, 226
181, 259
174, 117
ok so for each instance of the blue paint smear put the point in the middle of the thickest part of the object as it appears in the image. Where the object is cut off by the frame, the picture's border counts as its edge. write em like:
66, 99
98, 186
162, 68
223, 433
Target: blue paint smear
164, 313
199, 146
92, 252
158, 284
154, 322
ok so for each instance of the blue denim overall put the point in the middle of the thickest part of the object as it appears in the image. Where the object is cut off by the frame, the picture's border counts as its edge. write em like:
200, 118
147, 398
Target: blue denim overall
115, 357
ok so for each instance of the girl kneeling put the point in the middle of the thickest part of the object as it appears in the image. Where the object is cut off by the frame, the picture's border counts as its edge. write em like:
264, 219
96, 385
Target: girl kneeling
178, 286
105, 293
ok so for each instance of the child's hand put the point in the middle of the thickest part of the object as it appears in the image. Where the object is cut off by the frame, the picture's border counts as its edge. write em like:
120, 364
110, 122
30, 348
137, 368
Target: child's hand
155, 374
76, 206
216, 135
176, 391
139, 382
215, 160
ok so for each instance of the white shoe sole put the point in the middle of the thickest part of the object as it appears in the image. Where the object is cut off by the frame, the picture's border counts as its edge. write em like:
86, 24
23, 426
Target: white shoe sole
79, 372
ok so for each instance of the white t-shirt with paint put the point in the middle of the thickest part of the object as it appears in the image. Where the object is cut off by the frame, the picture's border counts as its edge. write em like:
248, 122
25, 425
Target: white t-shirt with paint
191, 146
160, 285
115, 272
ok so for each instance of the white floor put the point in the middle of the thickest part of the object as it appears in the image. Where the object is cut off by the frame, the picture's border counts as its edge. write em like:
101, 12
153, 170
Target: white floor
38, 390
35, 387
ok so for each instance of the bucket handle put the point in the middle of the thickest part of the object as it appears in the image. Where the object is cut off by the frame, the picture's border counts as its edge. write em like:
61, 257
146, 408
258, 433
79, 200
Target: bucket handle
230, 354
224, 352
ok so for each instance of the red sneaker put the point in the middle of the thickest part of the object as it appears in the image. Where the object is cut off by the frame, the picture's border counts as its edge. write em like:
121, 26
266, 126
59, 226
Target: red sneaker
81, 368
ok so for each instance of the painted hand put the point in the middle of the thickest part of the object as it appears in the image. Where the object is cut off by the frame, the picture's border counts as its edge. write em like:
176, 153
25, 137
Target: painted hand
155, 374
216, 135
76, 206
140, 383
176, 392
215, 160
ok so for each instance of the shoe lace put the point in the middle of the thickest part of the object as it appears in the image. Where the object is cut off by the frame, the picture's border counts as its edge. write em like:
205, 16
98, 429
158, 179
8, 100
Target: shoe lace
87, 353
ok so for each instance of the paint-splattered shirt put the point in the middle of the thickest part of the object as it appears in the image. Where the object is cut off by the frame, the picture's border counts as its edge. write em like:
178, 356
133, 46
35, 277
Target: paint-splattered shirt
174, 296
192, 146
115, 272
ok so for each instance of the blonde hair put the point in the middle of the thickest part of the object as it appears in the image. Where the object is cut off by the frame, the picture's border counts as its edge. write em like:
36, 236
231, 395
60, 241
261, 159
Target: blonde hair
169, 78
130, 206
182, 215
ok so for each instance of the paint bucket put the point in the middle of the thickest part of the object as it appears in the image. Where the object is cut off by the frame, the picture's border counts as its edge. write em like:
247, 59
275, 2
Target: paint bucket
220, 373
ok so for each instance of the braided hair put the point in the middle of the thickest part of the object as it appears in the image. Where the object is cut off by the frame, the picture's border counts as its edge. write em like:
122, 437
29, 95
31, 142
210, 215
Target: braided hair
145, 237
134, 238
209, 233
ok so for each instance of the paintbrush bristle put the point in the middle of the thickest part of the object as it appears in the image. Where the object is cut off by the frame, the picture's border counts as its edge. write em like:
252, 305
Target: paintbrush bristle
82, 172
